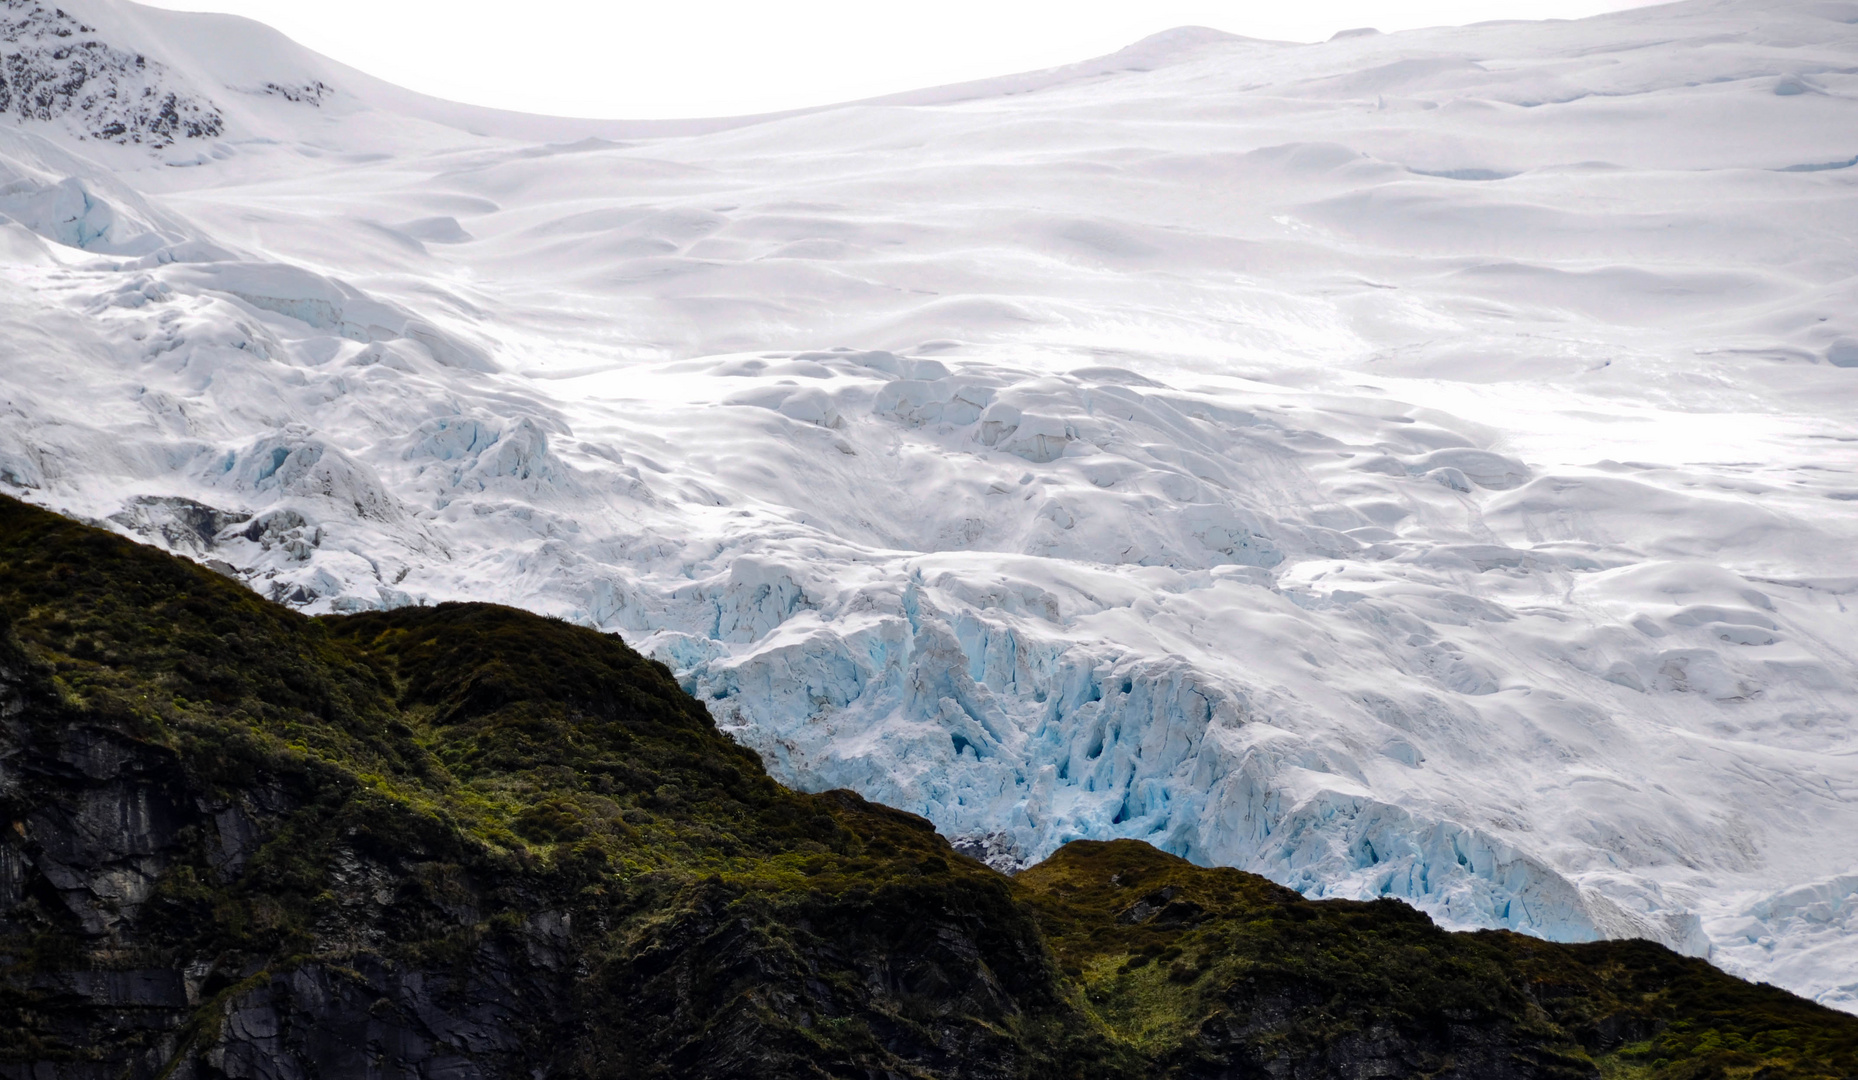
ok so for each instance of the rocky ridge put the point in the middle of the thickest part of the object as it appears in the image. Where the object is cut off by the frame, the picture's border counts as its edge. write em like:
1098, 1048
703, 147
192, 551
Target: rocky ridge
55, 68
466, 841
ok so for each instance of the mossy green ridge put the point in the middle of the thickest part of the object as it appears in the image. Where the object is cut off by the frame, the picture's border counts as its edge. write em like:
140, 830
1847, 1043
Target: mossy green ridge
467, 841
1198, 968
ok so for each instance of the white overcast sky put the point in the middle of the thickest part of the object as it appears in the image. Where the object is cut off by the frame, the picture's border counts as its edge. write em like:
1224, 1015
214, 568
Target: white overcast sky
677, 58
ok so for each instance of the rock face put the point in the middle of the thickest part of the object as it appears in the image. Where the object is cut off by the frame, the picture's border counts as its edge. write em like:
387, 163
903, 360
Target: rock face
466, 841
55, 68
223, 903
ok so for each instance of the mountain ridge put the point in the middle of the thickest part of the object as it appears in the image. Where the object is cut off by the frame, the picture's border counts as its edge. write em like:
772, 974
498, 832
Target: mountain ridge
468, 841
114, 95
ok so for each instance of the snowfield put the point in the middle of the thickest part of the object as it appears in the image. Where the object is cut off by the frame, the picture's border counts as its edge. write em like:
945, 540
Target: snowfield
1420, 465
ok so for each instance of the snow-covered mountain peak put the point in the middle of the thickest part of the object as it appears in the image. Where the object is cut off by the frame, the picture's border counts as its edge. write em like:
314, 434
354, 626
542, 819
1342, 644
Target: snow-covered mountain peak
59, 71
138, 87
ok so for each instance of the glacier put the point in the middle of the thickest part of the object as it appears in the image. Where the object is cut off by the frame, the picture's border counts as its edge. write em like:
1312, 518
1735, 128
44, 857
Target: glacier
1417, 465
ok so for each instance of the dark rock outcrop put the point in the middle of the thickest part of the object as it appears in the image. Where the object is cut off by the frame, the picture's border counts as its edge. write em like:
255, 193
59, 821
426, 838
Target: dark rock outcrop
54, 67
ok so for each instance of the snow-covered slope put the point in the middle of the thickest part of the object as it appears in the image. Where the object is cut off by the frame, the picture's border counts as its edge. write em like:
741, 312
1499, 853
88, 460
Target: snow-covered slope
1421, 465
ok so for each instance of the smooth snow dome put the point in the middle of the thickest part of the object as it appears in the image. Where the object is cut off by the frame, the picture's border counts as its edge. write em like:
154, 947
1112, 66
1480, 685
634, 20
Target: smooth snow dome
1420, 465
